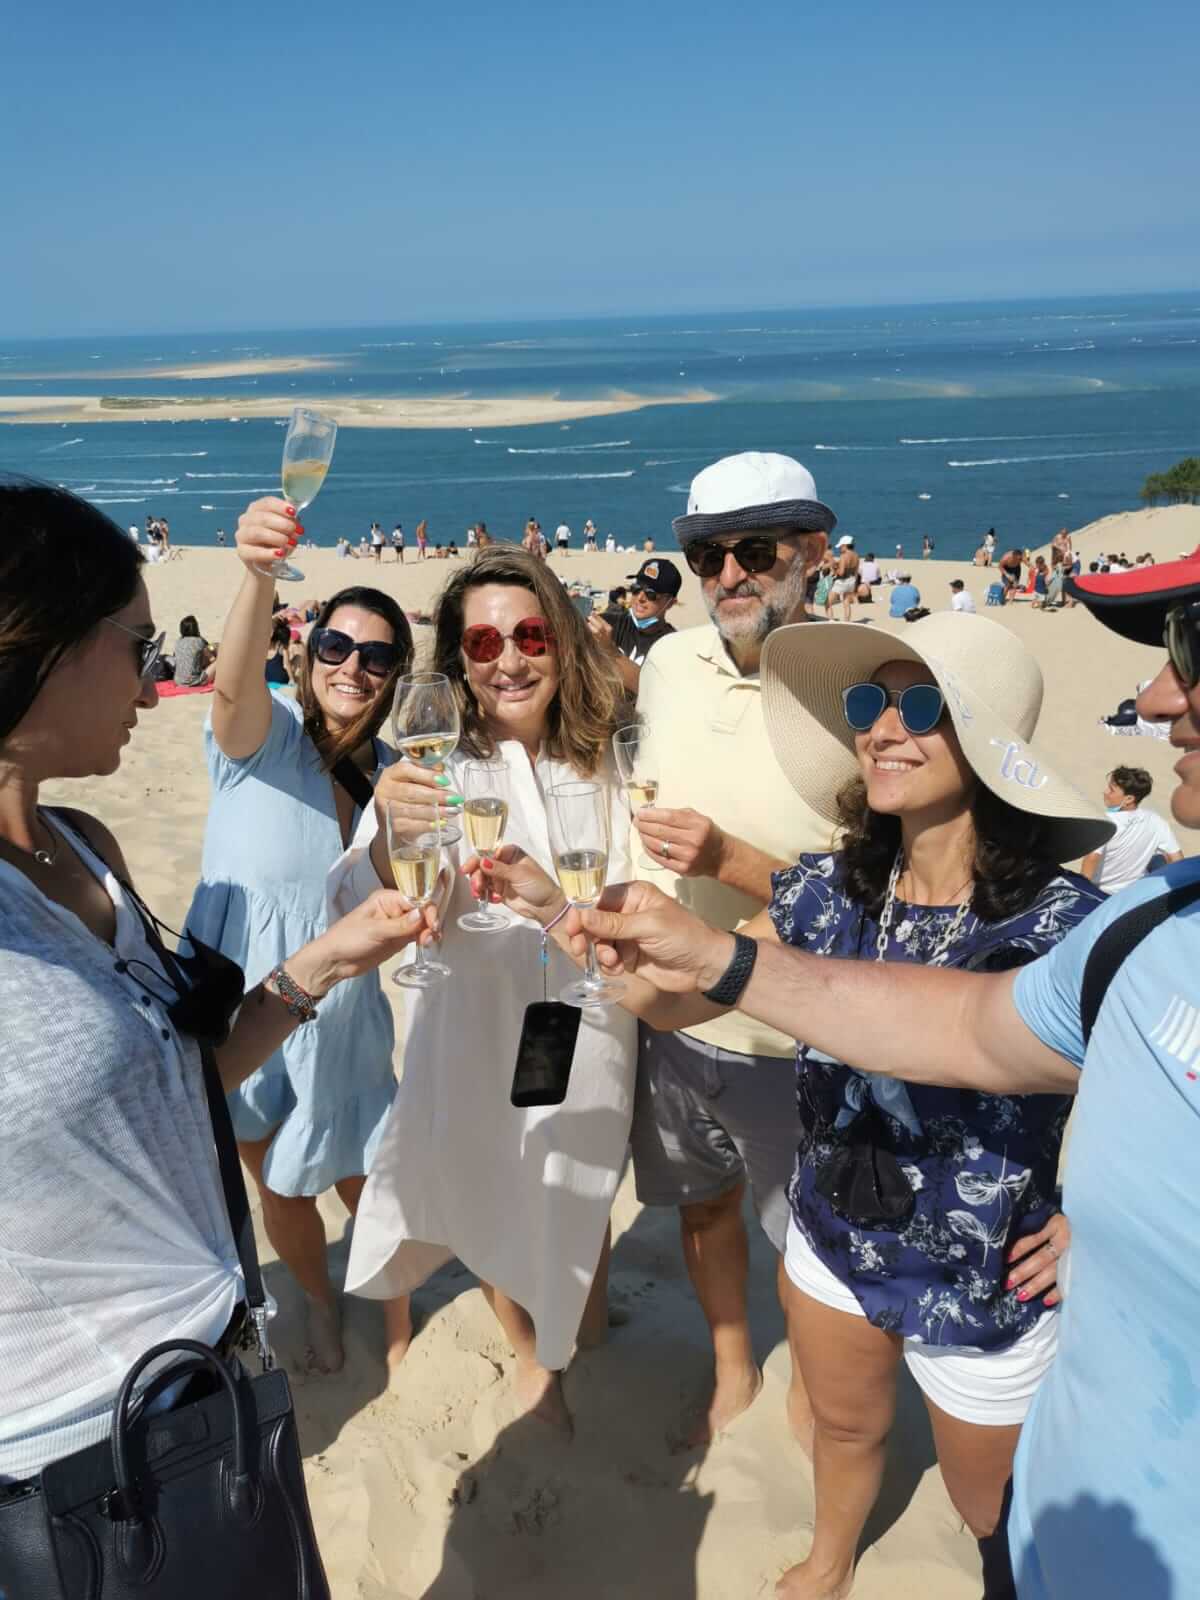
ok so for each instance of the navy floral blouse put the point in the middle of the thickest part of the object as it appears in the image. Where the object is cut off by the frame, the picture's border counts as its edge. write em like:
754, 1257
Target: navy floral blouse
983, 1167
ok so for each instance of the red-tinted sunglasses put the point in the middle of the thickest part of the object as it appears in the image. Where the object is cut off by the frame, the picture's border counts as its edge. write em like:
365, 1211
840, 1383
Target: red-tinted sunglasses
483, 643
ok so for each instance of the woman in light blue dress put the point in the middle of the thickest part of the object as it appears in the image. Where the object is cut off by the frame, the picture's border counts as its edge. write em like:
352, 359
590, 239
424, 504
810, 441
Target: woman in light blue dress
285, 774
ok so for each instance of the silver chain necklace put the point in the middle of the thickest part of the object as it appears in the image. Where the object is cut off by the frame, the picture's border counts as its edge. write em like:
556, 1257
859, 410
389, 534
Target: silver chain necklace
889, 905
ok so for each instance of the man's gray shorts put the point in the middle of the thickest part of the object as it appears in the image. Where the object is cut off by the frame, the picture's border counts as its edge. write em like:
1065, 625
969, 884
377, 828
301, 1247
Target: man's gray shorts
706, 1119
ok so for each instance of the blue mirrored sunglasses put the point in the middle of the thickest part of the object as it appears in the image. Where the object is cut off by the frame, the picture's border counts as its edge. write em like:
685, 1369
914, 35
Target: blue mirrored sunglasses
921, 706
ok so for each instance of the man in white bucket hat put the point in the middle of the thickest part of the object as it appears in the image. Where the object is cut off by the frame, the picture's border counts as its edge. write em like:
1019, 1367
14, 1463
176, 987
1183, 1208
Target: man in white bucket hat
715, 1110
1103, 1490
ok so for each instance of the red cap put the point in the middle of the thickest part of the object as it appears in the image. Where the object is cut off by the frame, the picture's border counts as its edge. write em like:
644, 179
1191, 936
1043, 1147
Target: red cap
1135, 604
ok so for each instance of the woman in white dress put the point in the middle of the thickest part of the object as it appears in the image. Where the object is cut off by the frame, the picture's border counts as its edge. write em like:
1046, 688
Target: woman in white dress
520, 1196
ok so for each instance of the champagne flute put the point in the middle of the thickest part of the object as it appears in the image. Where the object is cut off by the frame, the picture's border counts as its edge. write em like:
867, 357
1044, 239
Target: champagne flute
485, 815
307, 452
577, 817
414, 839
637, 764
425, 720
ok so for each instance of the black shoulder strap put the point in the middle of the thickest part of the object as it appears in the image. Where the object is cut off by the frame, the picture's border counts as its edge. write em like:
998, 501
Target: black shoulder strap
355, 782
1118, 942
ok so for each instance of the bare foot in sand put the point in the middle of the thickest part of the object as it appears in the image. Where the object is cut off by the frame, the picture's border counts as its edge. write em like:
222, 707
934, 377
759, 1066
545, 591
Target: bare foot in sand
324, 1353
733, 1393
398, 1326
806, 1583
539, 1393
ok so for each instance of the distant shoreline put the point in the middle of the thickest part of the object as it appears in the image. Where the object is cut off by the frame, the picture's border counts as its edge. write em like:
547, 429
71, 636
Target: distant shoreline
408, 411
190, 371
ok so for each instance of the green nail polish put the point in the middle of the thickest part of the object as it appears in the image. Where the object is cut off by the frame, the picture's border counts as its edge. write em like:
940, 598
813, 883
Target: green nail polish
454, 799
442, 782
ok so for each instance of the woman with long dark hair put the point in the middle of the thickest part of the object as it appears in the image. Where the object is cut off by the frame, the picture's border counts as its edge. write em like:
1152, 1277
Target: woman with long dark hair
289, 779
521, 1196
114, 1234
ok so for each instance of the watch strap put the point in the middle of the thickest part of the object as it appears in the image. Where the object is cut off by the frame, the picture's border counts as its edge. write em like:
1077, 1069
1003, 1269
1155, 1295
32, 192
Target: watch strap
728, 988
299, 1003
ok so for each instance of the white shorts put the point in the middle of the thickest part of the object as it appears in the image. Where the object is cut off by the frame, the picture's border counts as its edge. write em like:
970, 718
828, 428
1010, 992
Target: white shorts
992, 1388
843, 586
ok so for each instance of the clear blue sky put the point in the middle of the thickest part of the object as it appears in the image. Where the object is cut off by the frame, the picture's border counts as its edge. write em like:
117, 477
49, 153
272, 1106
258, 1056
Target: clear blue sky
171, 167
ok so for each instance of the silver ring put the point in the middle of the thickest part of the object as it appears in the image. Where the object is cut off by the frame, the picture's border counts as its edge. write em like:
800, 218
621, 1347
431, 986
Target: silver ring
666, 849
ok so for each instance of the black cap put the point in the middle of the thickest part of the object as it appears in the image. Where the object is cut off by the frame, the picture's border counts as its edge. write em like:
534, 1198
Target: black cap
658, 577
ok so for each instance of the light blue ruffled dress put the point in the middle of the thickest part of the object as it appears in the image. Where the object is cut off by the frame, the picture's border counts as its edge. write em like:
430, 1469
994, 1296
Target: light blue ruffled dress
272, 836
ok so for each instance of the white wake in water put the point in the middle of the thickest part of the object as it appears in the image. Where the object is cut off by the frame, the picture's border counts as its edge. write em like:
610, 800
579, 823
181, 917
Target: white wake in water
1067, 455
566, 449
45, 451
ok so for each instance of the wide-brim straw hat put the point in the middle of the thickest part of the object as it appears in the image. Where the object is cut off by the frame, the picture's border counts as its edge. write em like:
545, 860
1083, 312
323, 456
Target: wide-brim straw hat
993, 690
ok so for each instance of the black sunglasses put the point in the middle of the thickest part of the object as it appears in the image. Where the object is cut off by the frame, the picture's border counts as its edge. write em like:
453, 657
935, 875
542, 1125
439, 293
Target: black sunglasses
375, 656
1181, 635
757, 553
149, 649
921, 706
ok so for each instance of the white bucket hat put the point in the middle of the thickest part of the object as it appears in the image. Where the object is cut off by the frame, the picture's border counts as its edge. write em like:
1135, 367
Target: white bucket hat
993, 691
755, 489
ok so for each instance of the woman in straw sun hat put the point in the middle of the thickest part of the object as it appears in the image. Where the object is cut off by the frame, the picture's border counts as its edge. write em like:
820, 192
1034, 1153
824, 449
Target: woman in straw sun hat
923, 1219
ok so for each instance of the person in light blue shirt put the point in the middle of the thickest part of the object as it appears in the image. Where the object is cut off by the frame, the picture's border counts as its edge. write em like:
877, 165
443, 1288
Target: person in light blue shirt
1103, 1497
904, 596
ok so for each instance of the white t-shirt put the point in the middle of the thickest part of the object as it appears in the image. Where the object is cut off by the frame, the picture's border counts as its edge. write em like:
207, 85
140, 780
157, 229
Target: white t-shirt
1140, 836
870, 572
376, 535
562, 533
960, 600
610, 544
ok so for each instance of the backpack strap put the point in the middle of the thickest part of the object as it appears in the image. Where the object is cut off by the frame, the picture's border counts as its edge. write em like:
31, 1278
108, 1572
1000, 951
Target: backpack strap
355, 782
1118, 942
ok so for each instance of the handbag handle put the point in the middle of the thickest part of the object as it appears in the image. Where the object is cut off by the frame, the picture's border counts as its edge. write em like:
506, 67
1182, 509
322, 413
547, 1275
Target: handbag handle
241, 1487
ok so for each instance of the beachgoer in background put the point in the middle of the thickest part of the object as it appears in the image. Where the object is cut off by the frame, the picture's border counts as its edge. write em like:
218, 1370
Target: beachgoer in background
716, 1104
989, 544
822, 590
398, 543
521, 1196
910, 1205
960, 600
654, 590
221, 538
562, 537
899, 552
377, 542
114, 1233
1140, 836
482, 537
422, 538
982, 557
278, 668
531, 541
610, 544
589, 536
1010, 574
870, 570
1040, 584
288, 777
472, 537
904, 597
647, 546
926, 547
845, 576
618, 604
452, 551
364, 548
194, 657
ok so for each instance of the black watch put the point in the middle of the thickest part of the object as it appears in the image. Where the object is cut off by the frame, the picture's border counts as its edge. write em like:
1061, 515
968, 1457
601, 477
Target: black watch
727, 990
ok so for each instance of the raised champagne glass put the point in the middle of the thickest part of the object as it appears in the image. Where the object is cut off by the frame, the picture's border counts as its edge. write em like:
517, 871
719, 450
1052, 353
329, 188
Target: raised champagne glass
485, 816
425, 720
637, 764
307, 452
415, 838
577, 816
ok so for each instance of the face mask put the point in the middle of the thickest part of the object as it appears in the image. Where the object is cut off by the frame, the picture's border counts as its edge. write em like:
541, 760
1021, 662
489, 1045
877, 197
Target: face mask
645, 622
1114, 808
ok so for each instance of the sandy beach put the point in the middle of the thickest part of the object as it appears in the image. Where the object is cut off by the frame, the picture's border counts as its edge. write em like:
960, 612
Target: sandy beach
435, 1492
407, 411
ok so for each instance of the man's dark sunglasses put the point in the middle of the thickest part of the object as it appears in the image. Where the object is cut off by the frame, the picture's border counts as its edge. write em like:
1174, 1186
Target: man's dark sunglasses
921, 706
757, 553
1181, 635
375, 656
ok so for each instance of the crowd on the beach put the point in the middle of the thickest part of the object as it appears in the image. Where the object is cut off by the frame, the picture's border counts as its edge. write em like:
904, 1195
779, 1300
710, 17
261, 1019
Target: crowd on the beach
805, 890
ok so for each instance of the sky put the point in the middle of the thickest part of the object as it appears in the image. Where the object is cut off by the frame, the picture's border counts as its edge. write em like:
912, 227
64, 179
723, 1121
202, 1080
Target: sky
234, 166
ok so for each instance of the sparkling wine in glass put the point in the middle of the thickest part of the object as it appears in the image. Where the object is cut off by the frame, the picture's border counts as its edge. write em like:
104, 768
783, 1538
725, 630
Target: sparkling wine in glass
425, 720
415, 839
484, 815
637, 764
577, 816
307, 452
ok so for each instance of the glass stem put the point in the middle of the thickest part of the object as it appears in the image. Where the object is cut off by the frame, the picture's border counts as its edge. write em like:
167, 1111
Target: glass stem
591, 972
419, 958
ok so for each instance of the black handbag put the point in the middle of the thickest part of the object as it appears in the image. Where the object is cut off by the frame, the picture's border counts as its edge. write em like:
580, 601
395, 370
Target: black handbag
204, 1499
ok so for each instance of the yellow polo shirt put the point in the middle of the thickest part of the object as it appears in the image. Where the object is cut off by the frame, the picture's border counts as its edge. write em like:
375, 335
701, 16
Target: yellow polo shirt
713, 755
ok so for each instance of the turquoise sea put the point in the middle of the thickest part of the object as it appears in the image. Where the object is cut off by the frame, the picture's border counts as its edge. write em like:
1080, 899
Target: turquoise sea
944, 420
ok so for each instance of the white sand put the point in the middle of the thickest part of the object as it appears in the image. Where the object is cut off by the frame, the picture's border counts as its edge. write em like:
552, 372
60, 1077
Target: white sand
435, 1492
420, 411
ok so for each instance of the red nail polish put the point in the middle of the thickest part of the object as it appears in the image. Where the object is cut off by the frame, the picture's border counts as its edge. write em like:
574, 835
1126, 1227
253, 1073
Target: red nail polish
291, 511
487, 865
1022, 1294
1011, 1284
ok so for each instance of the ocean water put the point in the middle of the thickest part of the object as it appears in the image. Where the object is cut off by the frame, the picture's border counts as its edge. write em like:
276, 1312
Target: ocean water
940, 420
